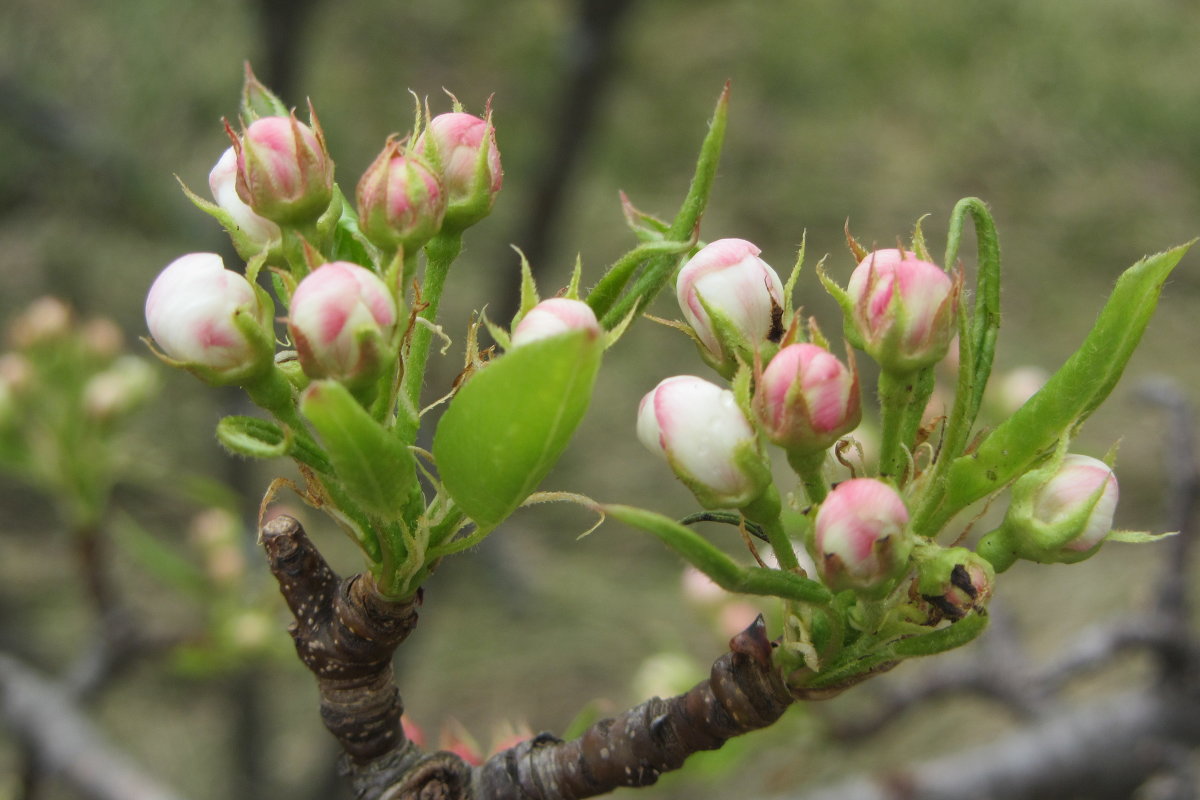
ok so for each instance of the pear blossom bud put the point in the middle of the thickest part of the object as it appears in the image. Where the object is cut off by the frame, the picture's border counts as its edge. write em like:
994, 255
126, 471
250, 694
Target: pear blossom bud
210, 319
455, 144
731, 298
903, 309
45, 319
284, 171
343, 323
101, 337
700, 430
120, 389
259, 231
400, 200
554, 316
807, 399
954, 580
860, 538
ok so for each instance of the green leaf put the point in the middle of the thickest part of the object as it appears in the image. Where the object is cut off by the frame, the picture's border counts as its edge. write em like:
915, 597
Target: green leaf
371, 463
1071, 394
258, 438
1138, 537
507, 426
714, 563
349, 243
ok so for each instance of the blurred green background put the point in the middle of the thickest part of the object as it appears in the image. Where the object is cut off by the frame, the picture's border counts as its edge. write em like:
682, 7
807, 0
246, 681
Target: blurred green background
1075, 120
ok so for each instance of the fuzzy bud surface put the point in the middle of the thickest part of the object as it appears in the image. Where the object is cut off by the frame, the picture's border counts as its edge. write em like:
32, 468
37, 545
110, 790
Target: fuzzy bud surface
284, 171
400, 200
455, 143
807, 399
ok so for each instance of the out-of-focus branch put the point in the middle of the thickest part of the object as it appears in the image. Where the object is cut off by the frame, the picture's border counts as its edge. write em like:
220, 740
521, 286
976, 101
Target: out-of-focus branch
1104, 749
44, 718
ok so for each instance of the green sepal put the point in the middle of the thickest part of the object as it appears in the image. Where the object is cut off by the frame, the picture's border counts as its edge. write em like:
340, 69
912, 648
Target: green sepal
1138, 537
714, 563
1071, 394
529, 292
507, 426
258, 438
849, 329
245, 247
259, 101
789, 287
375, 468
659, 269
942, 639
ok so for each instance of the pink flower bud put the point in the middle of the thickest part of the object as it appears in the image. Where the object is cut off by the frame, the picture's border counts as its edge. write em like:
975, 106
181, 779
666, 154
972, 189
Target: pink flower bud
807, 399
453, 142
400, 200
119, 389
698, 427
223, 179
1081, 495
343, 323
903, 309
193, 310
730, 297
284, 171
552, 317
860, 540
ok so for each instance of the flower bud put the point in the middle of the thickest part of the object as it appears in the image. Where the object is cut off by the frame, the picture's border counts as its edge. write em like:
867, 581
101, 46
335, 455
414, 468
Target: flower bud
343, 323
1059, 513
209, 319
954, 580
698, 427
903, 309
860, 538
807, 399
44, 320
401, 201
102, 338
255, 231
552, 317
284, 171
731, 298
462, 147
120, 389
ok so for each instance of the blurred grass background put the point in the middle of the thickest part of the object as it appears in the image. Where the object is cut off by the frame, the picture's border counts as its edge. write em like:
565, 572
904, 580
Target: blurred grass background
1075, 120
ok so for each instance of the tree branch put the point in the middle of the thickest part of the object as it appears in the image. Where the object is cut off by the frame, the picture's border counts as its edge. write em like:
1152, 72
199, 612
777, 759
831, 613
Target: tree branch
42, 716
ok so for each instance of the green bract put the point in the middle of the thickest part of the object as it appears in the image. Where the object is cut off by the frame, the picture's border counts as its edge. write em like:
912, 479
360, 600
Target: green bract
508, 425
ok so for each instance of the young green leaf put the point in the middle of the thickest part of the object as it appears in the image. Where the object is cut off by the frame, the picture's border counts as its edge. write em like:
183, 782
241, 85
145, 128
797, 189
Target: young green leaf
509, 423
375, 467
1071, 394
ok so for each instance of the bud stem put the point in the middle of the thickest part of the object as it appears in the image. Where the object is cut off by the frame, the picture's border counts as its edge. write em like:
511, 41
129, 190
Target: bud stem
765, 511
897, 391
440, 254
811, 469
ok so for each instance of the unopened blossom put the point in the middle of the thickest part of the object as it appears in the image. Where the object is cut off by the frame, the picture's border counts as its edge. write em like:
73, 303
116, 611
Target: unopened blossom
222, 180
807, 399
702, 433
553, 317
954, 580
284, 171
343, 321
1082, 496
401, 201
455, 143
732, 299
903, 309
117, 390
860, 538
203, 315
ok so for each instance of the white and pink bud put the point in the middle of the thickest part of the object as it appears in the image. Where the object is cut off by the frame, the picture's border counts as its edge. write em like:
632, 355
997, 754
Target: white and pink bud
343, 323
46, 319
861, 539
284, 170
732, 299
553, 317
807, 399
118, 390
903, 309
255, 231
210, 320
401, 202
462, 147
702, 433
